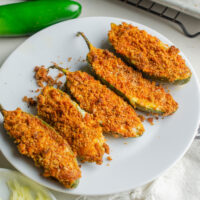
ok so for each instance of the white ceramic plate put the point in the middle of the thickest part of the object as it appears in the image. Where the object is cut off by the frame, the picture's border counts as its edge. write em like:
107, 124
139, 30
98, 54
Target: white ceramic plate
7, 176
135, 163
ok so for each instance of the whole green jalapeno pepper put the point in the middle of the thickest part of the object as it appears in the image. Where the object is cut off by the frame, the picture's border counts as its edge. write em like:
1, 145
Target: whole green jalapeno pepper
26, 18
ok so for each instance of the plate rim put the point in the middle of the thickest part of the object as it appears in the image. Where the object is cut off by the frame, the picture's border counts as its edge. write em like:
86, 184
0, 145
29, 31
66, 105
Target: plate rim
153, 177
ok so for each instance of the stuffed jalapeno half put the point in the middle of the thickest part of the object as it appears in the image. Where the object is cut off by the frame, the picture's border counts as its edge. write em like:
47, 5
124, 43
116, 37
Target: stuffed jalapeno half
78, 127
114, 114
148, 54
129, 83
37, 140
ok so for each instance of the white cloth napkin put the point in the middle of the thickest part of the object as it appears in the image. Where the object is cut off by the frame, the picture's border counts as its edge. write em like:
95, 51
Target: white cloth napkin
180, 182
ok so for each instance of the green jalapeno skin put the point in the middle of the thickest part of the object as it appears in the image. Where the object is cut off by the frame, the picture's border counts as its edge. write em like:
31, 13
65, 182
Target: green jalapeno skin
26, 18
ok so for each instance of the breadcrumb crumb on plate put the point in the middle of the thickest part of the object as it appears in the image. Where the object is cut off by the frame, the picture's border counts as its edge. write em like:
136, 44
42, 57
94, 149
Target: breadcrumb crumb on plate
30, 101
69, 59
109, 158
150, 120
43, 78
142, 117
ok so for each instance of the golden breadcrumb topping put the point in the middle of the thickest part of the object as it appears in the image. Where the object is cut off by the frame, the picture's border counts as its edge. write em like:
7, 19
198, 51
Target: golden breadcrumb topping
129, 82
109, 158
150, 120
30, 101
69, 59
107, 149
75, 125
42, 143
113, 113
42, 77
142, 117
148, 53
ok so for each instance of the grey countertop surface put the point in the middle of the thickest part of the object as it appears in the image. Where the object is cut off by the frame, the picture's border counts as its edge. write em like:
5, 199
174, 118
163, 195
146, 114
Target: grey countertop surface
115, 8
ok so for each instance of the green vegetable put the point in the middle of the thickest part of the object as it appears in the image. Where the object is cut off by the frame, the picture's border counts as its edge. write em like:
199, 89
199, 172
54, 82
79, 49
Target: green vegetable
38, 157
165, 80
132, 101
22, 192
136, 130
157, 79
29, 17
134, 56
75, 183
141, 103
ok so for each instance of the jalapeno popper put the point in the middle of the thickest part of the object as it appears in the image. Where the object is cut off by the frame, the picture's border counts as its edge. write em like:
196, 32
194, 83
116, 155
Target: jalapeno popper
128, 83
39, 141
148, 54
111, 111
78, 127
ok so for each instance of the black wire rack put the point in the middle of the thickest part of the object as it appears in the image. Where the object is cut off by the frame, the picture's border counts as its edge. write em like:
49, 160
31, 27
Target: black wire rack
162, 13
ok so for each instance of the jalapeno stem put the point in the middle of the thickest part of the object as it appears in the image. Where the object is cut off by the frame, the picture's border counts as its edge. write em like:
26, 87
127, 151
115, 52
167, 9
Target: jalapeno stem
64, 71
86, 40
2, 109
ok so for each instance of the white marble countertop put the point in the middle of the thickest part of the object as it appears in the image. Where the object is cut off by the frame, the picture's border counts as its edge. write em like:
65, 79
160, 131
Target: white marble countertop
115, 8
